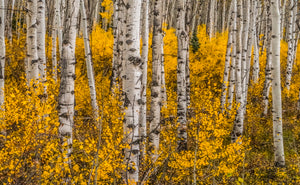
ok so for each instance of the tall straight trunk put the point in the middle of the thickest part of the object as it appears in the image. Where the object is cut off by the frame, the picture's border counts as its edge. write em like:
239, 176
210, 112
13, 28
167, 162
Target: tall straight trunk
249, 52
55, 30
227, 64
211, 30
224, 15
182, 37
41, 40
290, 37
9, 20
245, 40
156, 96
282, 19
255, 73
233, 57
268, 68
239, 119
2, 53
132, 90
66, 98
163, 78
32, 53
118, 47
88, 59
145, 51
187, 67
276, 87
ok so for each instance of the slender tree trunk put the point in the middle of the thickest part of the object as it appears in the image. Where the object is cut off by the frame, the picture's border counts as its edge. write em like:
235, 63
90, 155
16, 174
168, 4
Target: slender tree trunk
211, 30
182, 37
89, 65
156, 96
290, 41
66, 98
233, 57
282, 18
32, 54
227, 64
2, 54
55, 30
276, 87
239, 119
132, 90
41, 40
145, 48
255, 73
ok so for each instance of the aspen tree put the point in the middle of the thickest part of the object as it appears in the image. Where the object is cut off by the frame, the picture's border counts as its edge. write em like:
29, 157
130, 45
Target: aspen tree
88, 59
276, 87
66, 98
55, 30
249, 52
255, 73
282, 18
227, 63
211, 30
233, 57
41, 47
132, 90
156, 97
2, 53
268, 77
32, 54
245, 39
145, 48
182, 37
290, 37
239, 119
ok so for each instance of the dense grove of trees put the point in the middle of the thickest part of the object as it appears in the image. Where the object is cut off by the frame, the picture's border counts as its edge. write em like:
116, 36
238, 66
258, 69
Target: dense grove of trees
149, 92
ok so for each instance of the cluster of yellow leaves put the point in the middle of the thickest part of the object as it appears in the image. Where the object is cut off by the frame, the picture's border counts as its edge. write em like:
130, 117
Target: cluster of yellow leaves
30, 147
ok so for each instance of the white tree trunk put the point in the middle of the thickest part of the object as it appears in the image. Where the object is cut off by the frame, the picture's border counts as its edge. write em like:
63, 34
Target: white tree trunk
182, 37
239, 119
227, 63
145, 51
2, 53
276, 87
41, 48
290, 37
66, 98
132, 90
282, 18
233, 57
156, 96
32, 54
55, 30
88, 59
268, 68
255, 73
211, 19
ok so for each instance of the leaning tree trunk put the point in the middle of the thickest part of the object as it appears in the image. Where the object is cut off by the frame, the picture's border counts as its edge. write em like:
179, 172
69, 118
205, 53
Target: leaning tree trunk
66, 98
32, 54
182, 37
2, 53
276, 87
145, 48
41, 40
132, 90
89, 65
